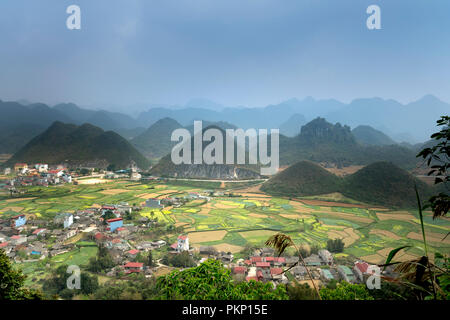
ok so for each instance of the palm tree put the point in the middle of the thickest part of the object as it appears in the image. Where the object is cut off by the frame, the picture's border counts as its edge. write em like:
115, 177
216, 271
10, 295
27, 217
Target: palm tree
281, 242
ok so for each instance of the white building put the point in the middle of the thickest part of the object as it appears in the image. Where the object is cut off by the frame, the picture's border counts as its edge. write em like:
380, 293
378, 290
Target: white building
326, 256
64, 218
135, 176
183, 243
67, 178
153, 203
41, 167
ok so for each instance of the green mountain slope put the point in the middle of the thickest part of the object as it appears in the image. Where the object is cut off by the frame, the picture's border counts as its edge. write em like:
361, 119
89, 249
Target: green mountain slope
302, 179
385, 184
366, 135
380, 183
72, 144
155, 141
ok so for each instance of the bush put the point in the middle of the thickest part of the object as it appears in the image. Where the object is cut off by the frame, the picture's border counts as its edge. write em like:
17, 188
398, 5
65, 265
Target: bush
335, 246
346, 291
180, 260
211, 281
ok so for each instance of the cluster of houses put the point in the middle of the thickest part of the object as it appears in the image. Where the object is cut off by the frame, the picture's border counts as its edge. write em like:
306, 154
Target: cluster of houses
265, 266
41, 238
155, 203
37, 175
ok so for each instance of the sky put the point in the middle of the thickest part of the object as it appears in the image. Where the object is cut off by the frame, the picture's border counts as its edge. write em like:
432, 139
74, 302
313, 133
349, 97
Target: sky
234, 52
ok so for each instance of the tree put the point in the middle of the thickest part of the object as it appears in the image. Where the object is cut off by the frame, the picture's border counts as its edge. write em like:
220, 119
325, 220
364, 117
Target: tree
12, 282
301, 292
57, 284
438, 157
346, 291
102, 262
108, 215
212, 281
150, 262
336, 245
181, 260
89, 284
281, 242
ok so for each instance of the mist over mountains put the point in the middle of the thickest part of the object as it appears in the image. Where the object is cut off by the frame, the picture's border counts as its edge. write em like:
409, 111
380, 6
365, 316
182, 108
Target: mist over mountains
411, 123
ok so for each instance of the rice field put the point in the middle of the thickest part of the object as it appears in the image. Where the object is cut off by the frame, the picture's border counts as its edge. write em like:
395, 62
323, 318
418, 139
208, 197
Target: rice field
249, 217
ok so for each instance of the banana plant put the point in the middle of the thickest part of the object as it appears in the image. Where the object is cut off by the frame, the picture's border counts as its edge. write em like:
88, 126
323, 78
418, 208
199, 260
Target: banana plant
281, 242
420, 273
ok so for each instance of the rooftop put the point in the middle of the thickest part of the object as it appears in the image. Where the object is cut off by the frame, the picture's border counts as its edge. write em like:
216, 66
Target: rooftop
134, 265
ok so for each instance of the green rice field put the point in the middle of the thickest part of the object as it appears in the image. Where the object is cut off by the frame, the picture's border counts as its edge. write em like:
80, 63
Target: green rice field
247, 218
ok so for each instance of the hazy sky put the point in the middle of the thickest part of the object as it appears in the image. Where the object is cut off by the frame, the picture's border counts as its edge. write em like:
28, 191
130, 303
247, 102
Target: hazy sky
235, 52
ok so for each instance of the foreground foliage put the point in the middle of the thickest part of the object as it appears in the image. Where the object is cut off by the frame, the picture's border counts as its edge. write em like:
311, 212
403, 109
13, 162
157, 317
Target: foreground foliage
438, 156
212, 281
12, 281
346, 291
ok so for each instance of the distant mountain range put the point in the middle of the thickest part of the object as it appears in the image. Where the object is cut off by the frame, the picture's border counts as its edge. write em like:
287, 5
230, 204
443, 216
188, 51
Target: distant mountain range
20, 123
413, 122
318, 140
167, 168
336, 145
155, 141
380, 183
79, 145
366, 135
292, 126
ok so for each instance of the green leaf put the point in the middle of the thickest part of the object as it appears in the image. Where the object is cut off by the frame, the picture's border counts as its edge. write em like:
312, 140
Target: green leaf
421, 219
393, 253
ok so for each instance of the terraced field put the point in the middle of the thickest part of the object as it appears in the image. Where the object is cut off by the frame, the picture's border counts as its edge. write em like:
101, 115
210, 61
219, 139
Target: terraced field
249, 217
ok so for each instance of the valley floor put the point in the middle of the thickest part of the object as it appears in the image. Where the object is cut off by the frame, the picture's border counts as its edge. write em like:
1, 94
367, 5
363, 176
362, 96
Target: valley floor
248, 217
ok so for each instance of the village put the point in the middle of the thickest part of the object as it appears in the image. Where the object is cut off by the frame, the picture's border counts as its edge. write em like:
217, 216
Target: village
26, 241
108, 225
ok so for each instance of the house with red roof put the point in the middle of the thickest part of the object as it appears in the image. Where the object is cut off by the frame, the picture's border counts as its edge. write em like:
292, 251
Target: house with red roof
277, 273
262, 264
361, 269
99, 237
182, 243
256, 259
18, 239
132, 253
239, 270
56, 173
259, 275
39, 231
122, 231
133, 267
113, 224
20, 167
279, 261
